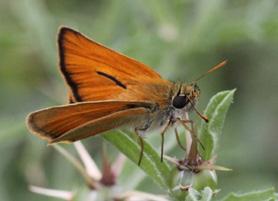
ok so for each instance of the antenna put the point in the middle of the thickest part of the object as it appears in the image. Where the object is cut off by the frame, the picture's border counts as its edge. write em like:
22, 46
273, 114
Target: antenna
214, 68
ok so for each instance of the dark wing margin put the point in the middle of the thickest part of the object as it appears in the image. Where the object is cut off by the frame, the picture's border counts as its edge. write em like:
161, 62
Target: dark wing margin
70, 82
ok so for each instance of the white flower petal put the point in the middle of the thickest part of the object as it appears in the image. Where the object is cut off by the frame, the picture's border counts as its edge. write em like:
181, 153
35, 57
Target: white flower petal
89, 163
65, 195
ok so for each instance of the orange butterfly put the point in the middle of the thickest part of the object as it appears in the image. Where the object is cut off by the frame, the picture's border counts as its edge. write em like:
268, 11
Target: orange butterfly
108, 90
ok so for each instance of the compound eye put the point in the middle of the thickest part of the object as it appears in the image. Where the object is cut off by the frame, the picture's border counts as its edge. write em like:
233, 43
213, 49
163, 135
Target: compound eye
180, 101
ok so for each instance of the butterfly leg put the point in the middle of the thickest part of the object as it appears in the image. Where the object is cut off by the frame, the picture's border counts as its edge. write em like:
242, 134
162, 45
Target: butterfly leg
169, 122
141, 142
178, 140
191, 130
141, 133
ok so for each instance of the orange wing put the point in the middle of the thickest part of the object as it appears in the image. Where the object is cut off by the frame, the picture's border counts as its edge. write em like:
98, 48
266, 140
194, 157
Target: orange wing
95, 72
79, 120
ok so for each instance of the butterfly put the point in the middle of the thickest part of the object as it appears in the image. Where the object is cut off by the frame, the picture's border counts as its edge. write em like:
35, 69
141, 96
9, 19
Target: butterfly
108, 90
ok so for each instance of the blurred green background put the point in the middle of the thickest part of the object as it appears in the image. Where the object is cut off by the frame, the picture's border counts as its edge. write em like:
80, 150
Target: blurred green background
180, 39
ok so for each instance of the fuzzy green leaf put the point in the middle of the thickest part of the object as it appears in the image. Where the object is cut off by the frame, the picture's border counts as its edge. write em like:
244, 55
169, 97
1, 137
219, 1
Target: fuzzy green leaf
204, 195
264, 195
151, 164
216, 112
193, 195
207, 194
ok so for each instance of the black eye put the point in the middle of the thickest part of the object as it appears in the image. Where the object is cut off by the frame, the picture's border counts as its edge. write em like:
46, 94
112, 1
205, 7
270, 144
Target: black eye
180, 101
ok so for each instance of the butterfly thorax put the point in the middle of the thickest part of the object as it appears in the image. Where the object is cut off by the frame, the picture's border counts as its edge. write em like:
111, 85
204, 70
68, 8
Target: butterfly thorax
181, 100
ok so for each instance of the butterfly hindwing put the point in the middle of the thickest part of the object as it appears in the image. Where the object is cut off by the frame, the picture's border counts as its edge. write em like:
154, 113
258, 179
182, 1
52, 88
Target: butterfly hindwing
52, 123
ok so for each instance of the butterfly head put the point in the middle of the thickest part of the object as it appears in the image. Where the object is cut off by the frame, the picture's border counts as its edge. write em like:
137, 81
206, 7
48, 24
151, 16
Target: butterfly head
188, 94
194, 92
186, 97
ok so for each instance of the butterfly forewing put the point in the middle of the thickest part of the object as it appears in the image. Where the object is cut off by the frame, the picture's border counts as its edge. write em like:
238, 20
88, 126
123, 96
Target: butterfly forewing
94, 72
